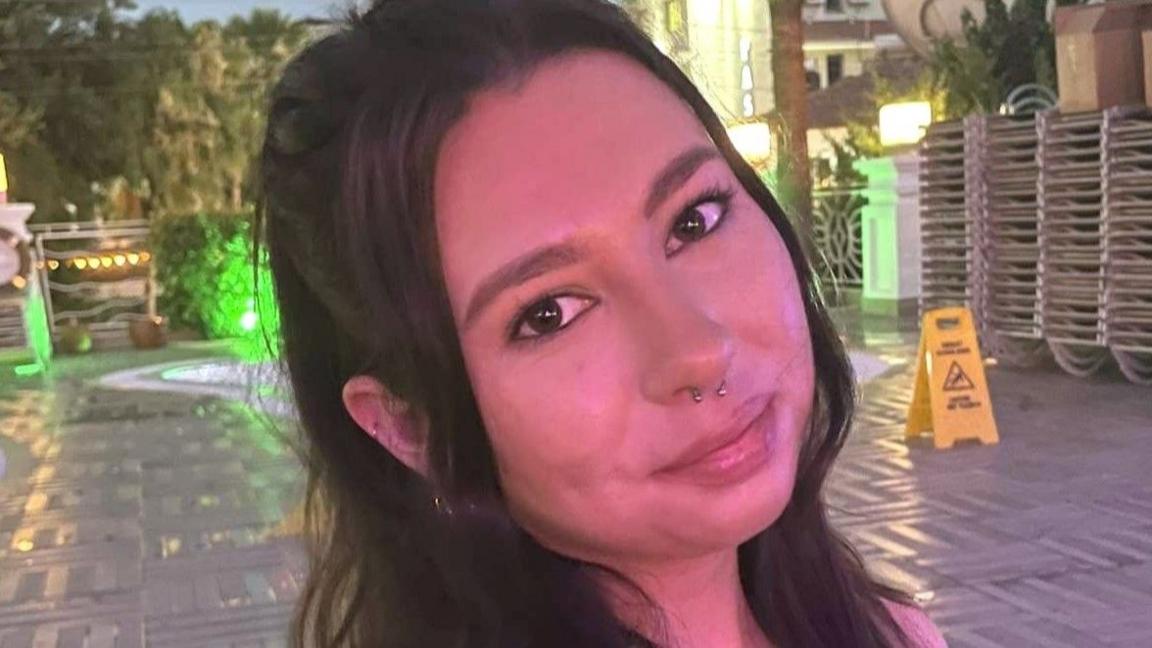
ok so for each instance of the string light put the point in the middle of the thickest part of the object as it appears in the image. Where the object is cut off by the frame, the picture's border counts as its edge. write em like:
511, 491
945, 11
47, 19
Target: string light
103, 262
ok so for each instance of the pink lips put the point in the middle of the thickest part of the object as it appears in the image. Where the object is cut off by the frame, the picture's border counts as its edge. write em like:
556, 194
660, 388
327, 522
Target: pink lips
727, 458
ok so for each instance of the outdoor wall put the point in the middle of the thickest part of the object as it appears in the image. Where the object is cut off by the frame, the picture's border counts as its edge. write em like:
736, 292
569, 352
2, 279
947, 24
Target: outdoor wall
720, 38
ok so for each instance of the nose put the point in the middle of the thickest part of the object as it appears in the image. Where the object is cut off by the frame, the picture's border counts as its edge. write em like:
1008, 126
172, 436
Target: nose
683, 349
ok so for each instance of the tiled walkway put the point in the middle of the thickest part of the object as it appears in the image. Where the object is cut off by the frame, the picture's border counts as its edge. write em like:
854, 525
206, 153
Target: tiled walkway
1044, 540
141, 519
132, 518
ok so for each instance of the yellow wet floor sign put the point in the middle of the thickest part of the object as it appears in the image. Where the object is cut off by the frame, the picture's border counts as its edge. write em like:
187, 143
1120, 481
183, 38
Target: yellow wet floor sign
951, 394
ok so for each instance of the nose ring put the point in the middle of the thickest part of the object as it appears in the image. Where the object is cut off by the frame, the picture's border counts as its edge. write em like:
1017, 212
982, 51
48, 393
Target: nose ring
698, 396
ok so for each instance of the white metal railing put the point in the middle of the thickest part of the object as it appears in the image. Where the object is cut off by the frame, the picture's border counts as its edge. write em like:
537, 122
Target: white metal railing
96, 274
836, 223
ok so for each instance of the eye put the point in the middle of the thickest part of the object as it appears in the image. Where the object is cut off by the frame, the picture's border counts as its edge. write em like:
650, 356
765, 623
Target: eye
695, 223
550, 315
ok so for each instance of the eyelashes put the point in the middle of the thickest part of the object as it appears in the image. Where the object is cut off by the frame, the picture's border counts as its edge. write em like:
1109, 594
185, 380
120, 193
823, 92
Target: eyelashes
551, 314
699, 220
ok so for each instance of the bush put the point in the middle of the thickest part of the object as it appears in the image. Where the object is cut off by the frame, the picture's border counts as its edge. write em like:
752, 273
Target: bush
207, 279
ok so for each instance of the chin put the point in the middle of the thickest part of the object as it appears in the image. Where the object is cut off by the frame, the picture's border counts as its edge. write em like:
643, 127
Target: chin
725, 518
754, 506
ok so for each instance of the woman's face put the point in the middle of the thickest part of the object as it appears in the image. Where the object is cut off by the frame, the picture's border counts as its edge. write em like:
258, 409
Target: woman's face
602, 261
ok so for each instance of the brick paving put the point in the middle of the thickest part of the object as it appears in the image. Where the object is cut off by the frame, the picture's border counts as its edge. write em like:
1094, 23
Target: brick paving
132, 518
141, 519
1042, 540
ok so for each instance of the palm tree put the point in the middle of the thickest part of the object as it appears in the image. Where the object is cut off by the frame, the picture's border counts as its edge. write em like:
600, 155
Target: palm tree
791, 93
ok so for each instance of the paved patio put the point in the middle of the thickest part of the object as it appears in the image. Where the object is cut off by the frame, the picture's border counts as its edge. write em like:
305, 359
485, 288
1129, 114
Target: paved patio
1042, 540
133, 518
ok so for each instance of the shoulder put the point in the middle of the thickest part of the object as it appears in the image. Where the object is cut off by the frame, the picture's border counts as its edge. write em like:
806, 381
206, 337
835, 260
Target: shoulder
920, 630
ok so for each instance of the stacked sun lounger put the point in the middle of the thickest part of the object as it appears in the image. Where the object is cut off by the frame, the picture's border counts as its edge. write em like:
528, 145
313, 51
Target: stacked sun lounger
945, 228
1007, 244
1071, 240
1127, 231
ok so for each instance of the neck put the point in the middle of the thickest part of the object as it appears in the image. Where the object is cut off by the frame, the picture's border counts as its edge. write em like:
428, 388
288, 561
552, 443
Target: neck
700, 602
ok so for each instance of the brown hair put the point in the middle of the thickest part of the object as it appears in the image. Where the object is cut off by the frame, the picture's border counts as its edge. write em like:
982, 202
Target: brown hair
347, 172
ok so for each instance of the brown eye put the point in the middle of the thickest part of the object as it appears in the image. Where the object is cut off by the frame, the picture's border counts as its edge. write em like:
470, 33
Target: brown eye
545, 317
549, 315
694, 224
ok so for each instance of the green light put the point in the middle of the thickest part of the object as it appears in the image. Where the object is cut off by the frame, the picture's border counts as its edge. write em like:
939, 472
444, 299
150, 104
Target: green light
213, 283
27, 369
36, 320
249, 320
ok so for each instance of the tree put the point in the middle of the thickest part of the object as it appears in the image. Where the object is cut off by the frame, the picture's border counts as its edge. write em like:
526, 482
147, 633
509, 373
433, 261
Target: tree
106, 115
1008, 49
18, 123
791, 93
209, 114
54, 62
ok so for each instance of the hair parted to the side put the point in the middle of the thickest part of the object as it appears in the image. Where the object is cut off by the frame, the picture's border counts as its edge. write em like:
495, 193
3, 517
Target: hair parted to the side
347, 172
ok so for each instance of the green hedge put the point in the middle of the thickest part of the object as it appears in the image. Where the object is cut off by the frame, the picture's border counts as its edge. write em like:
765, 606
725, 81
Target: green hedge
204, 269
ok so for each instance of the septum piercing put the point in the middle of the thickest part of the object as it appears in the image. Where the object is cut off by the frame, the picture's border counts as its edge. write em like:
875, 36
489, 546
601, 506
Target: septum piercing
698, 396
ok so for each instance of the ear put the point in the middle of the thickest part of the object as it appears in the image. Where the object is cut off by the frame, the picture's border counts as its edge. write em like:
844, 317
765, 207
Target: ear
388, 420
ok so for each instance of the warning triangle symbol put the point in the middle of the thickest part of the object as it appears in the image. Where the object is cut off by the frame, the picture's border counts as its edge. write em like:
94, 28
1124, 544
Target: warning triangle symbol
957, 380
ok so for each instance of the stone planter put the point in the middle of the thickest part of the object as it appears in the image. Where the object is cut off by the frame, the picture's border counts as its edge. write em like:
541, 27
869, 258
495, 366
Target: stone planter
148, 333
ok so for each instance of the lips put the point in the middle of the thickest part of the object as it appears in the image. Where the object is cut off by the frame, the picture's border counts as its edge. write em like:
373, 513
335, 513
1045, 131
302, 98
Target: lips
732, 452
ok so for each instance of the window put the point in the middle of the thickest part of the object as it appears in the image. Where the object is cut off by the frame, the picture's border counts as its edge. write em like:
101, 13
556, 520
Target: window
835, 68
834, 6
812, 73
813, 79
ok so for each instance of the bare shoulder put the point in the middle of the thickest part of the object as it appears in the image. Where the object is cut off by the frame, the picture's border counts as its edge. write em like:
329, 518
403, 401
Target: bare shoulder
917, 626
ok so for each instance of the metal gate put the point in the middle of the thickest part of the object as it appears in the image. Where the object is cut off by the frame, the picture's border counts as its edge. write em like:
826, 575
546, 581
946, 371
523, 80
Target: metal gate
97, 275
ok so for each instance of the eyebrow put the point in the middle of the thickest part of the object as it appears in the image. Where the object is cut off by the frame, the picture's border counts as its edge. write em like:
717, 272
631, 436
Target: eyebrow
550, 258
675, 173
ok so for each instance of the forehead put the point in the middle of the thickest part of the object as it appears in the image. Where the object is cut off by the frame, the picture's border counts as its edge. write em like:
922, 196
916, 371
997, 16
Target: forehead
574, 143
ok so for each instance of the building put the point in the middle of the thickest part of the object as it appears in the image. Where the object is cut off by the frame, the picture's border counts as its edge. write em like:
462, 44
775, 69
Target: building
846, 43
723, 45
841, 37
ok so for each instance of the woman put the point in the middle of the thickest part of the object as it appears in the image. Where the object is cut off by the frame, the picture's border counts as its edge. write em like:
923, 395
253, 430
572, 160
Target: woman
562, 373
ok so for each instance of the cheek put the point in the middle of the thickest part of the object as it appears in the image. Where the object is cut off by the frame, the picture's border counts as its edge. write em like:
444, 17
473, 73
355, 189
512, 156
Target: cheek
551, 423
764, 302
557, 439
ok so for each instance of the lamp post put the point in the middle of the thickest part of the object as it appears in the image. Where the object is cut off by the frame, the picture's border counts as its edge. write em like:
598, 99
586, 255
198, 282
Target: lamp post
753, 140
890, 221
903, 124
